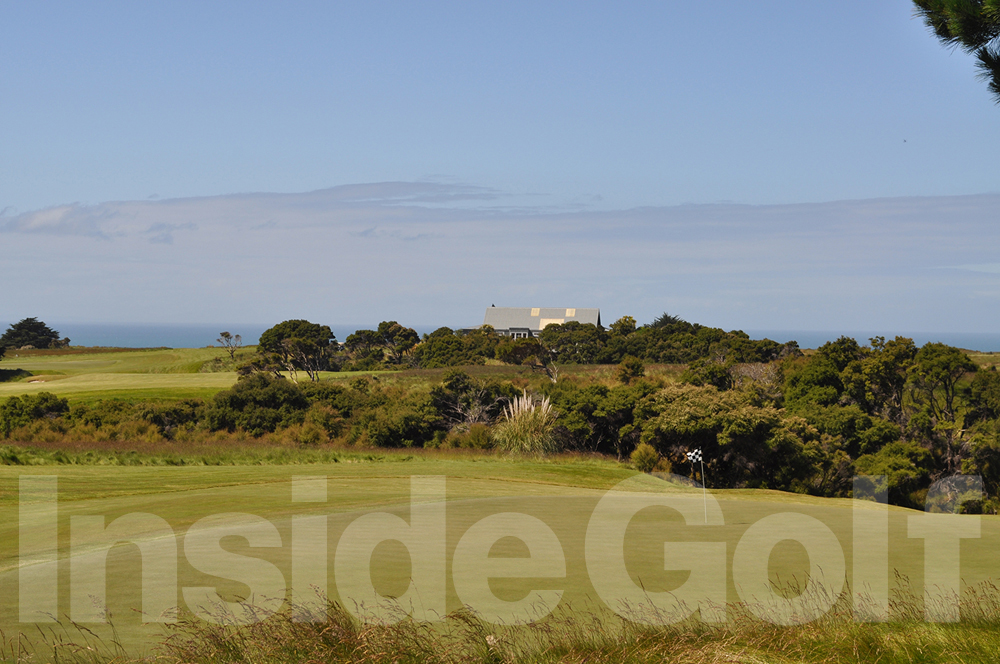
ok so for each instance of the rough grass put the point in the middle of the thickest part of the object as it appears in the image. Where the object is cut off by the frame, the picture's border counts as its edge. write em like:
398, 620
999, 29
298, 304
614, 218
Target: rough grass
570, 636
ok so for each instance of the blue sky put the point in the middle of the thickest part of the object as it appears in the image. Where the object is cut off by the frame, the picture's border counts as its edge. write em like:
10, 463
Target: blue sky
780, 165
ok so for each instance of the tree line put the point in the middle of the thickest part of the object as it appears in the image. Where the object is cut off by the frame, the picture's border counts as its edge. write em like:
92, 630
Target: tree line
300, 346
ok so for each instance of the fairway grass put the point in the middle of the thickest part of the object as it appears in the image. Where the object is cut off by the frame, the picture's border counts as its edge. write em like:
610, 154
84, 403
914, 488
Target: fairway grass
90, 387
126, 374
562, 495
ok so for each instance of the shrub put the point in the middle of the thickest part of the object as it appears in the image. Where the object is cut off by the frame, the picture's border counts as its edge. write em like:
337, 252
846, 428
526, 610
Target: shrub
476, 437
402, 421
326, 418
645, 458
630, 369
527, 427
20, 411
258, 404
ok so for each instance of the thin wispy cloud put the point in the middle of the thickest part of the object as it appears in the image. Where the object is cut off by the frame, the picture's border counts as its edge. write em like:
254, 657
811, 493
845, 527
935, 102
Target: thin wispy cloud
92, 221
163, 233
393, 250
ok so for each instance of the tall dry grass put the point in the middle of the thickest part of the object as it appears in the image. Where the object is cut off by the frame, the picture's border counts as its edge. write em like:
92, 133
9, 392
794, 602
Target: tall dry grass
566, 636
526, 428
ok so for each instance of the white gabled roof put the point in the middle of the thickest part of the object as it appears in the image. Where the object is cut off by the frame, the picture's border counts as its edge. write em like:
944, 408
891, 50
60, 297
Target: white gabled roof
505, 318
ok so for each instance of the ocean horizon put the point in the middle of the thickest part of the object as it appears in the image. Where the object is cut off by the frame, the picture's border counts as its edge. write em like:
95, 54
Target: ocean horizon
169, 335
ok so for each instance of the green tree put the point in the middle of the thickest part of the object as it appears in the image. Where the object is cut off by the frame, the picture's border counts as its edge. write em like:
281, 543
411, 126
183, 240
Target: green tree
709, 372
573, 342
623, 327
842, 352
462, 400
397, 340
365, 349
984, 397
934, 383
907, 467
877, 381
813, 381
530, 353
444, 348
31, 332
934, 378
300, 345
668, 320
745, 443
973, 26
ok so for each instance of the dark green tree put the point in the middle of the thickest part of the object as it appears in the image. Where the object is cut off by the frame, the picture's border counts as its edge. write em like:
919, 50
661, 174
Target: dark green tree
300, 345
396, 339
31, 332
574, 342
668, 320
973, 26
444, 348
934, 377
877, 380
984, 397
624, 326
934, 383
529, 353
365, 349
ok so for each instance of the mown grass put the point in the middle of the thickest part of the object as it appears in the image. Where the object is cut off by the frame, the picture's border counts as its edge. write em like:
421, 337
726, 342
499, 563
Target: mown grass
561, 492
87, 376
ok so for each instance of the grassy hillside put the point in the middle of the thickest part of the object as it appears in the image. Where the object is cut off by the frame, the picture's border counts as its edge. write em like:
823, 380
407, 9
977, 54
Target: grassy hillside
91, 374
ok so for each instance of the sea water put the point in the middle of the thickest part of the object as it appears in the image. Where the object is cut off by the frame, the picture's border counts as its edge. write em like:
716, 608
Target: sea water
168, 335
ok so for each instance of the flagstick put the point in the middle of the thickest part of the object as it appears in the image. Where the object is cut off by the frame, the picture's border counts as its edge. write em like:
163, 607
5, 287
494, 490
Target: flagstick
704, 491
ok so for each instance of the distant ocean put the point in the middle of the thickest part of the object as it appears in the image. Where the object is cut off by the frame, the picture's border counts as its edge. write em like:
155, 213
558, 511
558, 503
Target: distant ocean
986, 342
198, 336
153, 335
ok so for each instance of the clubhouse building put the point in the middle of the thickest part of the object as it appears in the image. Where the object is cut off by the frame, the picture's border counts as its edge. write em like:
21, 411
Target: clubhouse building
524, 322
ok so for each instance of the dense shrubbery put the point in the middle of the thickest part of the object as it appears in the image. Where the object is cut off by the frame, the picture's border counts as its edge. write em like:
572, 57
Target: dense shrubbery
444, 348
257, 404
21, 411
